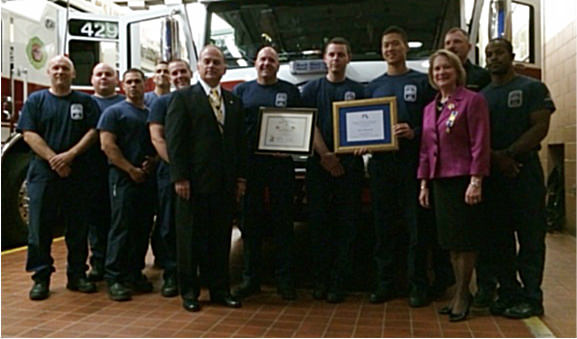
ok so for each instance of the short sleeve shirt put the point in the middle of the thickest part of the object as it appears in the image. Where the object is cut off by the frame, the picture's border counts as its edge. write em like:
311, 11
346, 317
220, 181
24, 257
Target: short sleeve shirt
61, 121
159, 108
477, 77
510, 107
99, 166
128, 124
413, 93
104, 103
321, 93
254, 96
150, 98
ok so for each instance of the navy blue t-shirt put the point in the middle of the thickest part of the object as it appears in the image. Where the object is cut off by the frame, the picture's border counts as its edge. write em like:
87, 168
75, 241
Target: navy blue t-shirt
477, 77
413, 93
61, 121
510, 106
97, 157
254, 96
321, 93
159, 108
158, 115
129, 125
150, 98
104, 103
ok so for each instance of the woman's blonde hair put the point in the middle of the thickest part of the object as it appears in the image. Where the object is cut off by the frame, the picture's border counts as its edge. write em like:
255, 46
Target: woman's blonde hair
454, 61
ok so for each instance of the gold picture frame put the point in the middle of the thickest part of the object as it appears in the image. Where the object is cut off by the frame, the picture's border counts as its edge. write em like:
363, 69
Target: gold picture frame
365, 123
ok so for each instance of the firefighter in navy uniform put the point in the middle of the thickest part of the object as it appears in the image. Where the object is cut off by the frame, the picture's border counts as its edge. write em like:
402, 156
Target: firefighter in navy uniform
126, 142
394, 184
333, 181
275, 172
104, 82
520, 109
457, 41
180, 75
59, 126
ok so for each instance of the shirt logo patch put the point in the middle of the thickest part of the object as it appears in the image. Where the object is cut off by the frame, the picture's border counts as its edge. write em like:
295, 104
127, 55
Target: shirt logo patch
281, 100
76, 112
350, 95
515, 99
410, 94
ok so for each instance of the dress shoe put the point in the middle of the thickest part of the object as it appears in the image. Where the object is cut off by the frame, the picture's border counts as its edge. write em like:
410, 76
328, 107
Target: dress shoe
81, 285
335, 297
418, 297
524, 310
119, 292
380, 295
446, 310
141, 285
499, 306
96, 274
169, 287
191, 305
484, 297
456, 317
40, 290
246, 290
228, 301
460, 316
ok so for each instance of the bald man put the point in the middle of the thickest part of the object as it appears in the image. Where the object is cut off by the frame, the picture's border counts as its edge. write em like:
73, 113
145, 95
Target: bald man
104, 81
267, 91
59, 126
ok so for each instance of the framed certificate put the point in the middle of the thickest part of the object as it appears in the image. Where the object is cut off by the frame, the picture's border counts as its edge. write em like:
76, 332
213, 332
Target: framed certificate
366, 123
286, 130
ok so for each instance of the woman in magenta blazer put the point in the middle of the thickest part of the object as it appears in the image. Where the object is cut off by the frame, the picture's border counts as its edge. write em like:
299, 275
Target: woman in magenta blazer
454, 158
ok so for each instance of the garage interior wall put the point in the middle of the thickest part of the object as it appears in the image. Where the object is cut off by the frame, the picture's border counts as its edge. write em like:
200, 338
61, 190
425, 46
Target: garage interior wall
559, 68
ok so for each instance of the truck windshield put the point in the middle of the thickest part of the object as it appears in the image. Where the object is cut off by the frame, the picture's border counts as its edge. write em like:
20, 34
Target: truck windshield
299, 29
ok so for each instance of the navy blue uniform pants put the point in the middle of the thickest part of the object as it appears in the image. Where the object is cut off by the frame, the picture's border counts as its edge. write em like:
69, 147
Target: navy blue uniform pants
98, 218
132, 207
394, 191
517, 215
334, 207
165, 224
52, 204
273, 177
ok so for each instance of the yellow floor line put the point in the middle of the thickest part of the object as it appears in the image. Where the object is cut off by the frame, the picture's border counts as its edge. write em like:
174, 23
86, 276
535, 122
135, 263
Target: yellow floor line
538, 328
22, 248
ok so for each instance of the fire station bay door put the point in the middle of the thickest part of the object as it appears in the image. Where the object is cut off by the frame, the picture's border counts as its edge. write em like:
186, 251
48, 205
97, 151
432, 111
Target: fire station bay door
138, 39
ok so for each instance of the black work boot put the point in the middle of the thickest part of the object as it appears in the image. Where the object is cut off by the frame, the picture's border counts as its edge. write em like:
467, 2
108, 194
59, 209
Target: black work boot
119, 292
169, 287
40, 290
81, 285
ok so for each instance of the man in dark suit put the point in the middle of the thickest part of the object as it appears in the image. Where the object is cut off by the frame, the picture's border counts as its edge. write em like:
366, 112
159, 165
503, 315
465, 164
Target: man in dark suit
207, 147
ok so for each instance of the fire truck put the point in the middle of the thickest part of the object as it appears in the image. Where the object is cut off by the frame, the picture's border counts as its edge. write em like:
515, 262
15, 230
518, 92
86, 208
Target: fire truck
34, 31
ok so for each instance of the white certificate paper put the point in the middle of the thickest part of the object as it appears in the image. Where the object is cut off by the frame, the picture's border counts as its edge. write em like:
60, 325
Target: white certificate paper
365, 126
286, 132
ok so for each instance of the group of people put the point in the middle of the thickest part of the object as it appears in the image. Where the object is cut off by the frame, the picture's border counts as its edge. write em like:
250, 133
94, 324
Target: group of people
465, 180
